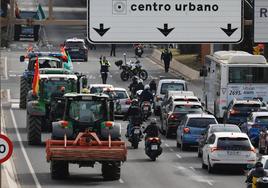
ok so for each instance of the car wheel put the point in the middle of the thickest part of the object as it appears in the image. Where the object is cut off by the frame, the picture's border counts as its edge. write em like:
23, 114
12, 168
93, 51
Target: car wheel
178, 144
183, 146
199, 155
210, 168
261, 149
204, 166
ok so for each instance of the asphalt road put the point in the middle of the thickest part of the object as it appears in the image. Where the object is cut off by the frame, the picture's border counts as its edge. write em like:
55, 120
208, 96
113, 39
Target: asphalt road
173, 168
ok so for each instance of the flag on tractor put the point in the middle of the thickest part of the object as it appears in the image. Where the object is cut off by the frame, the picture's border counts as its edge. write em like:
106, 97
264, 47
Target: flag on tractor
35, 84
64, 54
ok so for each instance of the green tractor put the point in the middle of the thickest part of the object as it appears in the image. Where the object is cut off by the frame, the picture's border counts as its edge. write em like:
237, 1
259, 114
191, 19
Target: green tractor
43, 108
86, 135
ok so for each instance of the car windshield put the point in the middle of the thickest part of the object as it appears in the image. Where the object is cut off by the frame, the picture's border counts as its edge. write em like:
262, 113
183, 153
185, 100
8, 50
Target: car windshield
247, 107
87, 111
200, 122
96, 90
74, 44
121, 95
171, 87
262, 119
52, 86
223, 128
183, 99
188, 109
227, 143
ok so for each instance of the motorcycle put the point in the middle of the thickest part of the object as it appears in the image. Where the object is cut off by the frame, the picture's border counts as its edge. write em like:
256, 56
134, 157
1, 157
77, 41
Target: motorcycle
135, 136
153, 147
146, 110
138, 50
132, 69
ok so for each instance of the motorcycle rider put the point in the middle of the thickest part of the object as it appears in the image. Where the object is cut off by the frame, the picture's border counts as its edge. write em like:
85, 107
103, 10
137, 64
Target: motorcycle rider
140, 85
151, 130
146, 95
153, 86
133, 114
133, 86
256, 172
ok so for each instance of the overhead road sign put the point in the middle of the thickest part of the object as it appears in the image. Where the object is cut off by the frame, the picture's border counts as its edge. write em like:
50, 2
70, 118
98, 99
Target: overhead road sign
261, 21
162, 21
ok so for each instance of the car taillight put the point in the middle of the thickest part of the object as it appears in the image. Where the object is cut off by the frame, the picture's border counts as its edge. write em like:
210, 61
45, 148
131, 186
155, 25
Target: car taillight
186, 130
233, 112
172, 117
128, 101
154, 139
158, 98
215, 149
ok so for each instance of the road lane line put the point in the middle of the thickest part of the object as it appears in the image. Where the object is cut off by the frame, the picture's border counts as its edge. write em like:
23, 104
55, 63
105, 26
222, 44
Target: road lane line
121, 181
192, 168
166, 144
37, 183
178, 156
6, 77
171, 149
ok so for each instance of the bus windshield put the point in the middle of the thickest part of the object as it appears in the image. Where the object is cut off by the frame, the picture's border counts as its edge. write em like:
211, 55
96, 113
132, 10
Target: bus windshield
239, 75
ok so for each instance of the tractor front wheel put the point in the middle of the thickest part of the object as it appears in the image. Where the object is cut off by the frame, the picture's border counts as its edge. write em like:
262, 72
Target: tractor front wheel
111, 170
24, 88
34, 129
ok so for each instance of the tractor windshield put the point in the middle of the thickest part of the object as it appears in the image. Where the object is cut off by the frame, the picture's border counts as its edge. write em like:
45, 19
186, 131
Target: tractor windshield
53, 86
87, 111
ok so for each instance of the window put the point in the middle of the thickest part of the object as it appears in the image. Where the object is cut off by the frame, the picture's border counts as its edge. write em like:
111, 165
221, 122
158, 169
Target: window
221, 128
200, 122
121, 95
74, 44
172, 86
246, 107
211, 139
227, 143
86, 111
262, 119
248, 75
188, 109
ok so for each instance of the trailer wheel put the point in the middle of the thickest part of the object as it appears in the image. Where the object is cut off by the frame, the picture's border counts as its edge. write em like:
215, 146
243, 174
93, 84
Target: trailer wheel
24, 88
34, 129
59, 169
111, 171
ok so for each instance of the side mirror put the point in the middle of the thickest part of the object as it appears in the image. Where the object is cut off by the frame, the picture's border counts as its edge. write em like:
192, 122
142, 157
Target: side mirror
22, 58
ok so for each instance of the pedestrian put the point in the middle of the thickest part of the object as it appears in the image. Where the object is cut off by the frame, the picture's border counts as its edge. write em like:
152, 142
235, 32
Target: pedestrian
113, 46
105, 64
166, 56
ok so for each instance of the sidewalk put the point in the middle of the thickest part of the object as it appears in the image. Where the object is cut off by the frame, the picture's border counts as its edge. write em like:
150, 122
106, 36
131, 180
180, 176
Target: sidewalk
187, 72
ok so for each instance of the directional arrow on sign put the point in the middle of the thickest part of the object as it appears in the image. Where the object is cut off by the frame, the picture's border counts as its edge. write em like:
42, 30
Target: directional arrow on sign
229, 31
101, 31
165, 31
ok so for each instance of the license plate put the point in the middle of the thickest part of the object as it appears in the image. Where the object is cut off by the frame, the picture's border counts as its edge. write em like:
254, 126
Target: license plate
136, 131
233, 152
154, 147
146, 108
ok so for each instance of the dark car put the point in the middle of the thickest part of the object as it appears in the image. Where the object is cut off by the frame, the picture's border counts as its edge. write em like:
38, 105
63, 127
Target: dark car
76, 48
213, 128
239, 110
256, 122
26, 31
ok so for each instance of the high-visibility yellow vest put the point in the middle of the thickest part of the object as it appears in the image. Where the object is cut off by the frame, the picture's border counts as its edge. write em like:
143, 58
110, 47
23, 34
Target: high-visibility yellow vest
254, 182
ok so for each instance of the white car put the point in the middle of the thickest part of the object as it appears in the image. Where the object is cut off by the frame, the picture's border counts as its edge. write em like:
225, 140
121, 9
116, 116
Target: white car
165, 85
264, 161
98, 88
123, 100
228, 149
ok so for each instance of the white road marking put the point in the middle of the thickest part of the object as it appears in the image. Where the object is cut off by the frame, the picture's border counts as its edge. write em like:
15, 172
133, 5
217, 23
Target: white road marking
166, 145
37, 183
121, 181
5, 64
178, 156
14, 100
171, 149
192, 168
15, 105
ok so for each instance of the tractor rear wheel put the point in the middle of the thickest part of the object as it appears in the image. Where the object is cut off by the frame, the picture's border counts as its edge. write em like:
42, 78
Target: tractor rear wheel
34, 129
59, 169
111, 170
24, 88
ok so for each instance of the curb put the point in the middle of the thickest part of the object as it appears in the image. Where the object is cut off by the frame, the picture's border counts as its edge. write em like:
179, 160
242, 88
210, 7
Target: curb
176, 66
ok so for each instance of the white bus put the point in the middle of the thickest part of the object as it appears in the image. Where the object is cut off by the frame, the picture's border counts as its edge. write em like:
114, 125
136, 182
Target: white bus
233, 74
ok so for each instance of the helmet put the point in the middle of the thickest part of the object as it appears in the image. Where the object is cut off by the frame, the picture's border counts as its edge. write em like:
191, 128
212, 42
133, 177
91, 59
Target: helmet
146, 87
135, 78
140, 81
85, 90
258, 164
135, 102
153, 121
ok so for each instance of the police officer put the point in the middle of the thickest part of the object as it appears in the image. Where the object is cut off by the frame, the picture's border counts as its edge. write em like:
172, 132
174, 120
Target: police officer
166, 56
105, 64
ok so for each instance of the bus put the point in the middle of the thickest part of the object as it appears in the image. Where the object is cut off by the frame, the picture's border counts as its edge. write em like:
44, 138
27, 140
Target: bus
233, 74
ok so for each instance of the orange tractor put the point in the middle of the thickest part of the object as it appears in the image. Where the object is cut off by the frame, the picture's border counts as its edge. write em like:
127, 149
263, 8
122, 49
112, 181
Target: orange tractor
86, 135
